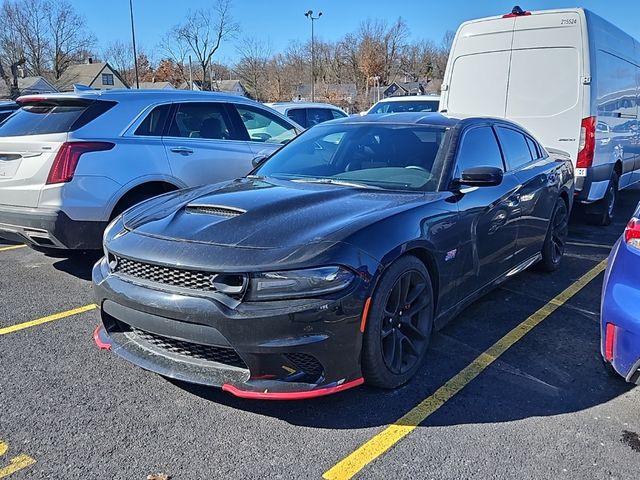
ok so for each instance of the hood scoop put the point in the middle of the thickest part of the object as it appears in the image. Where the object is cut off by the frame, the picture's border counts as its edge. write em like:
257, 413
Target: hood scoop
217, 210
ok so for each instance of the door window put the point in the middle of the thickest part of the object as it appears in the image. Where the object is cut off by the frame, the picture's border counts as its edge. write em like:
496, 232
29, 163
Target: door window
514, 145
534, 149
337, 114
263, 126
206, 120
153, 125
479, 148
298, 115
318, 115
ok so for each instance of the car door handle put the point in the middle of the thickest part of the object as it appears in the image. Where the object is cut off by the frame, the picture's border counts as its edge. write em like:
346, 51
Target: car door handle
182, 150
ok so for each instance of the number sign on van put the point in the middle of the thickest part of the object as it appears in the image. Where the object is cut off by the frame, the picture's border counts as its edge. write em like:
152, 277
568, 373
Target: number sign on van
568, 21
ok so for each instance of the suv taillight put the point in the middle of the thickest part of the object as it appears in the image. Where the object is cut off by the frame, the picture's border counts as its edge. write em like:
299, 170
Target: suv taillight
632, 233
587, 145
66, 161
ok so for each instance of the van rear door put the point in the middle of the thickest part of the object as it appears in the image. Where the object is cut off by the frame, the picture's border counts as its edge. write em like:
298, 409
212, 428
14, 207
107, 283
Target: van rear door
545, 92
479, 73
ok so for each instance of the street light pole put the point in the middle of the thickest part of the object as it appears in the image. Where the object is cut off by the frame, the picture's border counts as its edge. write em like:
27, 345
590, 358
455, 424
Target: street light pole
133, 41
309, 15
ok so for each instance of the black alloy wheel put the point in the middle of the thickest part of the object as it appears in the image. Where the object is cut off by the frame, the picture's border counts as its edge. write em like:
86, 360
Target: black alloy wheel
556, 240
399, 324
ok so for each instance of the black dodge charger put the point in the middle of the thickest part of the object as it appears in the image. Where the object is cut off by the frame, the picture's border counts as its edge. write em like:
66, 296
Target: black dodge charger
333, 262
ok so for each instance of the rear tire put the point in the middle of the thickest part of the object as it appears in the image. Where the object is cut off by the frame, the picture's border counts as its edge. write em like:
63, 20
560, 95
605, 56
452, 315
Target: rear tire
602, 211
399, 324
127, 202
556, 239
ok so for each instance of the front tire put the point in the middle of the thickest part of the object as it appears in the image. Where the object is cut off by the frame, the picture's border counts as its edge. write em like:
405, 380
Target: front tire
399, 324
556, 239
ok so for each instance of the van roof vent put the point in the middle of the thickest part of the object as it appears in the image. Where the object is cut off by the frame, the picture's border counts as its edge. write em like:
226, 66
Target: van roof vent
516, 12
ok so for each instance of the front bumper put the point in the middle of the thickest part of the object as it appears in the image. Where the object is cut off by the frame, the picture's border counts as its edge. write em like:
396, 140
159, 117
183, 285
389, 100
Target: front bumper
49, 229
620, 300
265, 350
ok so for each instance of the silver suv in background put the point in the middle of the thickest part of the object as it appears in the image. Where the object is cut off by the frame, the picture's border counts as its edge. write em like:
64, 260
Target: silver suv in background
308, 114
69, 163
409, 103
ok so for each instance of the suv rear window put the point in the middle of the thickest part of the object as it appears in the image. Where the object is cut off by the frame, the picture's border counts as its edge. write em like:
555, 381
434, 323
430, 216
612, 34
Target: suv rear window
52, 116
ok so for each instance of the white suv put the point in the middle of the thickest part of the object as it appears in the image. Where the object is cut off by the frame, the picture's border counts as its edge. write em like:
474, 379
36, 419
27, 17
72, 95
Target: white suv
308, 114
409, 103
69, 163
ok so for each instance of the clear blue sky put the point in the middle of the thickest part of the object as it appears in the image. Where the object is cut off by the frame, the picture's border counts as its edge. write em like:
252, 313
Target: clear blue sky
282, 21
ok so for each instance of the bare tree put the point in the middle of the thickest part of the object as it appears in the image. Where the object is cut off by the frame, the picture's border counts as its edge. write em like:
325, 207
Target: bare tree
28, 20
69, 38
205, 30
252, 67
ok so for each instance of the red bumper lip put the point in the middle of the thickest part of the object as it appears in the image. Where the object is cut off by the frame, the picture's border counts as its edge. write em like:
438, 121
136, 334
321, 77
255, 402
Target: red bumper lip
320, 392
102, 345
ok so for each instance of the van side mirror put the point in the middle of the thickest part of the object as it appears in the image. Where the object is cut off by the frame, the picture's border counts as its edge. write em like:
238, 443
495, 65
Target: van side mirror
481, 177
259, 160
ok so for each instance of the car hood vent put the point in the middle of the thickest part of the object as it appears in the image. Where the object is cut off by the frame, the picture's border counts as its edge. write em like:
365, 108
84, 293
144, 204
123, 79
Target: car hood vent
218, 210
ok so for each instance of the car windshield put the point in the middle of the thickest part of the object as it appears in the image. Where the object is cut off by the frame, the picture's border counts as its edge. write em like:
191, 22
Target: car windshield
406, 106
367, 155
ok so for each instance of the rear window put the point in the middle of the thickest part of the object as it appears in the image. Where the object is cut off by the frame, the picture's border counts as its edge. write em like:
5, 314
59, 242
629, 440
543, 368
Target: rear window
52, 117
406, 106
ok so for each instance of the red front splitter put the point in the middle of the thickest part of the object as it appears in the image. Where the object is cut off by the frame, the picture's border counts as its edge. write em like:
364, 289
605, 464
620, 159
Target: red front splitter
102, 345
320, 392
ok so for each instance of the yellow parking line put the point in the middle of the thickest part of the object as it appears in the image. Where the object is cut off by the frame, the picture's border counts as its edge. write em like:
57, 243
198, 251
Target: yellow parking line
11, 247
379, 444
50, 318
16, 464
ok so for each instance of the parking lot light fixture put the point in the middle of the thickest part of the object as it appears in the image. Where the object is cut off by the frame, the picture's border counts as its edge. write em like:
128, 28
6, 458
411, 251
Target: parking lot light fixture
309, 15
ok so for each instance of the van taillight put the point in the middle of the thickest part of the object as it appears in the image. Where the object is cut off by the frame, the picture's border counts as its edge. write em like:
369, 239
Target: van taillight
632, 233
66, 161
587, 145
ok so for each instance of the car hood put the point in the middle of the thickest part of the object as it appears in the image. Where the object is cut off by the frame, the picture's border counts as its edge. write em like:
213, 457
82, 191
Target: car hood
261, 213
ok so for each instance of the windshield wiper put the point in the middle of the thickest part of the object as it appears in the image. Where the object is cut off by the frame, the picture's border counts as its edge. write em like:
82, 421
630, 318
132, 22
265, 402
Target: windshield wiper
333, 181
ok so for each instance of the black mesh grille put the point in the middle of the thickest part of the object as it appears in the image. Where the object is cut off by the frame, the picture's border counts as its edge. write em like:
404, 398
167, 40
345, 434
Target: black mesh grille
305, 362
225, 355
193, 279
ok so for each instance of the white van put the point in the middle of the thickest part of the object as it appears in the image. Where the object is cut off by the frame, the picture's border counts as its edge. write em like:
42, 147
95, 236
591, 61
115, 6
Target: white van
568, 76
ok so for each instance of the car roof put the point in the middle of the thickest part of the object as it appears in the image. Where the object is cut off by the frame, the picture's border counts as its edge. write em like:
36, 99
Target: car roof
424, 118
407, 118
148, 95
302, 105
411, 98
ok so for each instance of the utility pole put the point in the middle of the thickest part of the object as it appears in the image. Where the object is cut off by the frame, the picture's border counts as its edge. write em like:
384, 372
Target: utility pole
133, 41
190, 75
309, 15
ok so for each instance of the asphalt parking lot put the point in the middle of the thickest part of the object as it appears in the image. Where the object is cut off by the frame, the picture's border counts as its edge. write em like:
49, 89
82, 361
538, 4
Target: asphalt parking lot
536, 404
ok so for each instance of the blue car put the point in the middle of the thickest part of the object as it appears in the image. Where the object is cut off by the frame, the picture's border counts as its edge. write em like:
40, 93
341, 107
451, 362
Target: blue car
620, 310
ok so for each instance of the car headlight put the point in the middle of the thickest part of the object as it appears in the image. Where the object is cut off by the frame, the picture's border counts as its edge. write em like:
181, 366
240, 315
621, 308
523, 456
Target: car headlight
298, 283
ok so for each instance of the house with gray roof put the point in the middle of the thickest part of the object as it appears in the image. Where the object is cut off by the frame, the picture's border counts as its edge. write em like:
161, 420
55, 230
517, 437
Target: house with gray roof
98, 75
28, 86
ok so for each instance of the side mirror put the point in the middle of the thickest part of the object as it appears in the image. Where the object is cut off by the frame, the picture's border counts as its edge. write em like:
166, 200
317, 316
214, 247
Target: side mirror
481, 177
259, 160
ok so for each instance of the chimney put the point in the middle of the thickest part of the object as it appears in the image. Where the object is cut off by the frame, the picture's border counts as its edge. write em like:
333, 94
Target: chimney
90, 60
